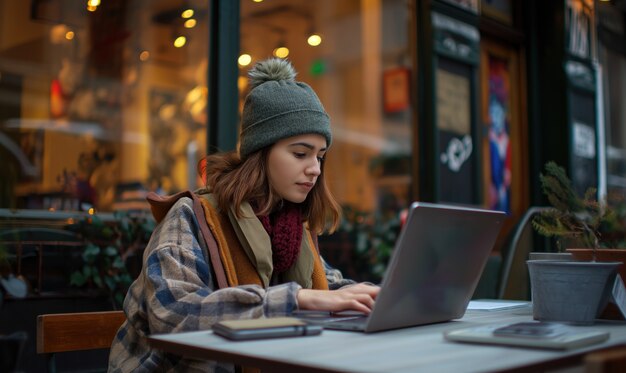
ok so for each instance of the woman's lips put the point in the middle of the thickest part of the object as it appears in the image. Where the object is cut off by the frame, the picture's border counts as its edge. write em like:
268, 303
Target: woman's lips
306, 185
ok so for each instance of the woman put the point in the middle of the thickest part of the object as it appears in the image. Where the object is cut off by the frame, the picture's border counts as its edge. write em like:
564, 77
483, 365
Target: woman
263, 206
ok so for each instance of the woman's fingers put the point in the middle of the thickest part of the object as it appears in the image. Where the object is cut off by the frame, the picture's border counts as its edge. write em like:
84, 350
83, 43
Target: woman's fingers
363, 294
360, 297
361, 288
366, 300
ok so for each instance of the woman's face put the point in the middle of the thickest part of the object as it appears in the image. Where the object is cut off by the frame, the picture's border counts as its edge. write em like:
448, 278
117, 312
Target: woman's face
294, 164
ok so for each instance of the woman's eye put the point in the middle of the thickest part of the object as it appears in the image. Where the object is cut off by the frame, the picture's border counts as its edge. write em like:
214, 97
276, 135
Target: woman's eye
320, 159
299, 155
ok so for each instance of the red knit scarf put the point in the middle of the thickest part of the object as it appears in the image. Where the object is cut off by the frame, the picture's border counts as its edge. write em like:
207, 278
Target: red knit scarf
285, 230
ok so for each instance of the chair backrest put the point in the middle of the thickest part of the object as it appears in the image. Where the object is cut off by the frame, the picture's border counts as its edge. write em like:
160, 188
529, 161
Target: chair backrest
77, 331
32, 246
12, 350
514, 273
612, 359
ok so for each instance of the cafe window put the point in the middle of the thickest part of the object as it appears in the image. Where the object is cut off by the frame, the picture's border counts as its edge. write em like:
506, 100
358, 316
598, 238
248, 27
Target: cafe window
100, 101
356, 56
612, 58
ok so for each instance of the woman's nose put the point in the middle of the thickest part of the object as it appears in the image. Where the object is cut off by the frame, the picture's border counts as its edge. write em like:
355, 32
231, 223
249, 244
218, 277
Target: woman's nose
314, 169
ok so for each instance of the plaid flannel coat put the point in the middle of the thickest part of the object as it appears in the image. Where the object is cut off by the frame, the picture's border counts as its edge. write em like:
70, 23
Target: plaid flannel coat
176, 292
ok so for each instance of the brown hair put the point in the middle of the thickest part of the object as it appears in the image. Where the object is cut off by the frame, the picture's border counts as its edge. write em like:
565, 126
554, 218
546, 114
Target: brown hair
233, 181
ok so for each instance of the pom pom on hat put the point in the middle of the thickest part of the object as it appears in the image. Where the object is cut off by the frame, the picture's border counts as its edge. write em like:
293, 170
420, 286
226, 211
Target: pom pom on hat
278, 107
272, 69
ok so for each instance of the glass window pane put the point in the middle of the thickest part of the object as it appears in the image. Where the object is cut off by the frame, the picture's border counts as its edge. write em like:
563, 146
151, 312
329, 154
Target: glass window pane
99, 105
362, 72
614, 84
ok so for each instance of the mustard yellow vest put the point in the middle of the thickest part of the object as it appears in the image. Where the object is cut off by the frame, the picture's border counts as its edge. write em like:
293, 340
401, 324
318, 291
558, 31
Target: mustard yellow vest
246, 252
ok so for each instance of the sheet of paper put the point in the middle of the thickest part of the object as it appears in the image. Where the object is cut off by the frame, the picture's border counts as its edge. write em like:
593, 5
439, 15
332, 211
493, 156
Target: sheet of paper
619, 294
496, 304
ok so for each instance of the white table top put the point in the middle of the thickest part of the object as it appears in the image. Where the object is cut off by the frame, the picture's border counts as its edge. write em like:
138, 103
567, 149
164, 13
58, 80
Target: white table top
420, 348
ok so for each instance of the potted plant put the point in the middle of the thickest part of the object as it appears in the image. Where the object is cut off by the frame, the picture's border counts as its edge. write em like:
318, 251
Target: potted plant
362, 245
612, 237
108, 250
573, 291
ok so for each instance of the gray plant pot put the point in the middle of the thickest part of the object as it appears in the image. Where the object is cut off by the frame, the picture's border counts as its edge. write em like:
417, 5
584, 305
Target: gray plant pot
550, 256
570, 291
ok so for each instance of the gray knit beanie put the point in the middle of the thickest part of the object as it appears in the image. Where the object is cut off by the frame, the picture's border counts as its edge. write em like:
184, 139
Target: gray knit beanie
278, 107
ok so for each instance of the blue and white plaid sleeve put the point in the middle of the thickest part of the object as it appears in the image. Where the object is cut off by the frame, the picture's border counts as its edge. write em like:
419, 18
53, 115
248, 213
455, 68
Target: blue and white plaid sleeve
335, 277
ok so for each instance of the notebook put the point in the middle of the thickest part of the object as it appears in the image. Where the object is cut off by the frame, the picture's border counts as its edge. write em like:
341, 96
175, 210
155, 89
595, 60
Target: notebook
530, 334
433, 272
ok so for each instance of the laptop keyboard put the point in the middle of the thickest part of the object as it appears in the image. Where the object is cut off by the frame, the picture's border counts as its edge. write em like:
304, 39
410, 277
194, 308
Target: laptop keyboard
342, 318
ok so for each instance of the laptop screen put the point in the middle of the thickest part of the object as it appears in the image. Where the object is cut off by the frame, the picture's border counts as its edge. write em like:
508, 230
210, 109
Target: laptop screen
436, 265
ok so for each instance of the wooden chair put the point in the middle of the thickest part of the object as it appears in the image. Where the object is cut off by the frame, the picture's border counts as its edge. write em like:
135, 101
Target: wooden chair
610, 360
514, 282
64, 332
12, 350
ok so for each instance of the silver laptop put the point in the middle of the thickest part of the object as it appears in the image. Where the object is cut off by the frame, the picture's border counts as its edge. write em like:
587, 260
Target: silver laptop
433, 272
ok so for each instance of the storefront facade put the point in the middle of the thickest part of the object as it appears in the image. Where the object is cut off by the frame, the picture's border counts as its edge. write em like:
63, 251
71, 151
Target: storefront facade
447, 101
451, 101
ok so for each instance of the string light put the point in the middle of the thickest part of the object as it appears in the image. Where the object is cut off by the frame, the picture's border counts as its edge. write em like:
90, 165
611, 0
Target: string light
180, 41
69, 35
314, 40
144, 56
190, 23
244, 60
188, 13
242, 83
281, 52
92, 5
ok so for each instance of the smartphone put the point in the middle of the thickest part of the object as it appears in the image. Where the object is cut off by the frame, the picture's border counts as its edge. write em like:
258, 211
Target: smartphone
537, 330
275, 327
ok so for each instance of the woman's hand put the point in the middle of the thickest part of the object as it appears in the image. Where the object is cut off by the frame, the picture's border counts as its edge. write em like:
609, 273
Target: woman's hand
359, 297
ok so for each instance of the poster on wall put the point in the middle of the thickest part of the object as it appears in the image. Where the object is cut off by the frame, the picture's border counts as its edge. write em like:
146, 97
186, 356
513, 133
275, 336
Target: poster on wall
455, 142
499, 132
396, 90
453, 106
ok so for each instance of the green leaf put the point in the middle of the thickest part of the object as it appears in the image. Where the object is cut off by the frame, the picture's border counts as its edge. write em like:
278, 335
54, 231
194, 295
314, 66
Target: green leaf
148, 225
111, 251
107, 232
91, 253
124, 225
77, 279
110, 282
119, 299
98, 280
126, 279
118, 263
